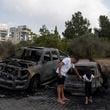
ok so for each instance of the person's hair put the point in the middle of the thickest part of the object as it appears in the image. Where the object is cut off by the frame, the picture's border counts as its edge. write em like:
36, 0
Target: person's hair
88, 74
75, 57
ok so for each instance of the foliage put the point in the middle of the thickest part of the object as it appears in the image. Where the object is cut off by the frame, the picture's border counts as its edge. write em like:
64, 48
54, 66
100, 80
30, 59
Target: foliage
48, 41
78, 38
44, 31
7, 49
104, 30
89, 46
76, 27
56, 31
23, 44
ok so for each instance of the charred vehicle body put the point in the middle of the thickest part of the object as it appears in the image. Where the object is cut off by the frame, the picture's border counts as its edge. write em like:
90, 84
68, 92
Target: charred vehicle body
76, 86
29, 67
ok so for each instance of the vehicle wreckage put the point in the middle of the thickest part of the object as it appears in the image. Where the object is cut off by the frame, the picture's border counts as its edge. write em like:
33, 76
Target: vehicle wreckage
29, 67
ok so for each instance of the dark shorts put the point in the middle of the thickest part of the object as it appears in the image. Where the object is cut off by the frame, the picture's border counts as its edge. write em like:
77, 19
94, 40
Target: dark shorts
88, 89
60, 80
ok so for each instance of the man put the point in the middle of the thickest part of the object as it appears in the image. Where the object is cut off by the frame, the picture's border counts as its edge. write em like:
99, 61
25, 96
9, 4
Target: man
63, 67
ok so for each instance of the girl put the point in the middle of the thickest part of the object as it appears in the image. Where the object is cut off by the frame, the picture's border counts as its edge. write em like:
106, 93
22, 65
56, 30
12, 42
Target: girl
88, 77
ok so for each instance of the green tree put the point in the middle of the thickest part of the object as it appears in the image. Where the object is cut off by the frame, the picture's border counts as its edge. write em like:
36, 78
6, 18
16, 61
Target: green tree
47, 38
56, 33
44, 31
77, 26
104, 24
7, 49
89, 46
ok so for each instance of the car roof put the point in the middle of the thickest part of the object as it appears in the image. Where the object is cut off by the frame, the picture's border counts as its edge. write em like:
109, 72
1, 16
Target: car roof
86, 63
41, 48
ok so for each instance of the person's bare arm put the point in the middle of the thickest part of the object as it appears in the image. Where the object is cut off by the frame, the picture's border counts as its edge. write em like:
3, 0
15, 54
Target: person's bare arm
76, 71
96, 76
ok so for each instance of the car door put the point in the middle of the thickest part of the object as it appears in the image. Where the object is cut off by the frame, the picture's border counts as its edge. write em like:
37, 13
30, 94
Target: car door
98, 80
47, 65
55, 58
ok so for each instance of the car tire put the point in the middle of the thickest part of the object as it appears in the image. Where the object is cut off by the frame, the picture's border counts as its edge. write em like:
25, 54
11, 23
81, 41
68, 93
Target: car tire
105, 81
34, 84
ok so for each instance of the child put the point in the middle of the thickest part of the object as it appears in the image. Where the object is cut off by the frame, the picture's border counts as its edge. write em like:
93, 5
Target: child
88, 77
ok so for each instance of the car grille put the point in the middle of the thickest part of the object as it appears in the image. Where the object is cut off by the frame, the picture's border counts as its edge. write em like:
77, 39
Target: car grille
7, 72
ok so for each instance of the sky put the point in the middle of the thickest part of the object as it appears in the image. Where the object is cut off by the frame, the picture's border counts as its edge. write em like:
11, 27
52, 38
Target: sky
35, 13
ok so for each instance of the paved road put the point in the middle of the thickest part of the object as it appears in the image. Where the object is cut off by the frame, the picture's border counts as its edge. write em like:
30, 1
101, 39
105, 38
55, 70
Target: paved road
45, 99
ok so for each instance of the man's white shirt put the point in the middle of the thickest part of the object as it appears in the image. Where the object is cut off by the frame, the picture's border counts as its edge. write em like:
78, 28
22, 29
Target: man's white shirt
67, 65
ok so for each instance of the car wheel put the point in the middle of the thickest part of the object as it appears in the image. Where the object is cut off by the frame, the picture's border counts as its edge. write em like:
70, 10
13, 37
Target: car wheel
105, 81
34, 84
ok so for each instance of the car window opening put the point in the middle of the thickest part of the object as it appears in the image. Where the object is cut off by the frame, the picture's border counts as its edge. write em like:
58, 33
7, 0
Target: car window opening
81, 70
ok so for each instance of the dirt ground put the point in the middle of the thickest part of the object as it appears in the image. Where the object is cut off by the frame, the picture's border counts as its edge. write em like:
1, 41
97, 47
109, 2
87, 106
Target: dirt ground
45, 99
105, 63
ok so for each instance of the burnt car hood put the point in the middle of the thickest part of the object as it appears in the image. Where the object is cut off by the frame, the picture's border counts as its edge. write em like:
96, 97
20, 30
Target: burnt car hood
18, 63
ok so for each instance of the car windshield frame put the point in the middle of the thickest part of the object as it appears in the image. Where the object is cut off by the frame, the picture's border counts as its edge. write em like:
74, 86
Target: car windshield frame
26, 54
82, 70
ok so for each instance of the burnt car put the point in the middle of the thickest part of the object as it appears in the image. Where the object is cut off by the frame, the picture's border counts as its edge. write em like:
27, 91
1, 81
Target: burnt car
75, 85
30, 67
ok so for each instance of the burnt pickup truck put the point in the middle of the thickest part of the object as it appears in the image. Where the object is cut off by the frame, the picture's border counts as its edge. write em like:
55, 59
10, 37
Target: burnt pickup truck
29, 67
